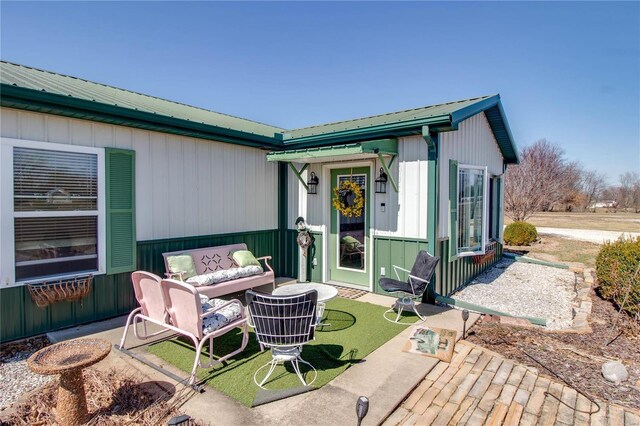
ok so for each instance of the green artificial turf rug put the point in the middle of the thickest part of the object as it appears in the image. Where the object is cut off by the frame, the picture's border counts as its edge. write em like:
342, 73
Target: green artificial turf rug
356, 329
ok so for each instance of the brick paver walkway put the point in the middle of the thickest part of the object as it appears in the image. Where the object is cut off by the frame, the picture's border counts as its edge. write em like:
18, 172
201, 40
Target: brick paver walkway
482, 387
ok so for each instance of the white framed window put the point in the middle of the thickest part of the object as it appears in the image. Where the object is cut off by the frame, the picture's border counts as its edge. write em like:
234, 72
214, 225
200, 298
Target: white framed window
472, 210
52, 200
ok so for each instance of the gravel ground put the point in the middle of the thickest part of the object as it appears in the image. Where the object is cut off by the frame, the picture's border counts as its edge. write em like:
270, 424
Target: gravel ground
525, 289
17, 379
591, 235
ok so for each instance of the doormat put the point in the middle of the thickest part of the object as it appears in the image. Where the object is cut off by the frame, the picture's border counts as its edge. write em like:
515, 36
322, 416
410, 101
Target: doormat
432, 342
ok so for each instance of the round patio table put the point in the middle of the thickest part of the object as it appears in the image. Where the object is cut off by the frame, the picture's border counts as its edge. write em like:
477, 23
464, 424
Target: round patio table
68, 359
325, 293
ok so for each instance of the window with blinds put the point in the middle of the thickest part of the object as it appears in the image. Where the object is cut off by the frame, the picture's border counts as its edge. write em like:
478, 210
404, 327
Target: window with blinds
55, 212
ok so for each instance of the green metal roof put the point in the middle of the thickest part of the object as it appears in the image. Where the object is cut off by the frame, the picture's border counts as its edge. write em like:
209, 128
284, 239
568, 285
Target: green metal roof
57, 84
441, 117
43, 91
389, 119
310, 155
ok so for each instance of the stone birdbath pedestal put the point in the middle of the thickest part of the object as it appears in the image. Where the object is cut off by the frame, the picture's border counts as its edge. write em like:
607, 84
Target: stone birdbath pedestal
69, 359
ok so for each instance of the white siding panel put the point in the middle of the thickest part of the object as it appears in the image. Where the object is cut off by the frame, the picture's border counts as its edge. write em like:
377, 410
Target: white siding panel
10, 123
204, 185
57, 129
32, 126
405, 212
473, 143
144, 180
184, 186
314, 202
191, 188
159, 185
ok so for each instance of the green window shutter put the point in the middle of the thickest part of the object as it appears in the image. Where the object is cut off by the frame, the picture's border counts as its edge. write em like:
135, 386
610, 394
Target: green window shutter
453, 209
121, 213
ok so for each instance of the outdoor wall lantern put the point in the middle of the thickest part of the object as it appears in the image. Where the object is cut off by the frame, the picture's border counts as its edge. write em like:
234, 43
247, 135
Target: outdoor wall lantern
381, 183
312, 184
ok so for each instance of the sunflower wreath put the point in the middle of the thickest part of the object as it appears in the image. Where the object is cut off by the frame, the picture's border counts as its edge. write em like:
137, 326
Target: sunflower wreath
341, 199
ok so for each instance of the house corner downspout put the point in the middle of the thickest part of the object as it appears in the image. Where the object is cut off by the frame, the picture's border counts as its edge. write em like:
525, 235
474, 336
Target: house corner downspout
431, 138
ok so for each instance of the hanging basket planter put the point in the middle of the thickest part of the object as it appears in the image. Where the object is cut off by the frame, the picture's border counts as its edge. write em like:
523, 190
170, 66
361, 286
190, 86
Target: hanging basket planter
72, 290
481, 259
341, 199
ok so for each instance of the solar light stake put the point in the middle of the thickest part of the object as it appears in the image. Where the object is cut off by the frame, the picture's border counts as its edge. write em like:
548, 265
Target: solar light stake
465, 317
362, 407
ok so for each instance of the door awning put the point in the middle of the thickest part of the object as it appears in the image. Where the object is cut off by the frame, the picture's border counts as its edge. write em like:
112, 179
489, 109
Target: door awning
351, 151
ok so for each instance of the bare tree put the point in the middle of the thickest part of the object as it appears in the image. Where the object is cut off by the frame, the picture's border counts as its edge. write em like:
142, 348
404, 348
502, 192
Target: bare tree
542, 179
629, 191
593, 184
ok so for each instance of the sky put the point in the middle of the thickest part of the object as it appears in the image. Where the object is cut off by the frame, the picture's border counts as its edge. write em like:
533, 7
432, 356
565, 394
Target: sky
566, 71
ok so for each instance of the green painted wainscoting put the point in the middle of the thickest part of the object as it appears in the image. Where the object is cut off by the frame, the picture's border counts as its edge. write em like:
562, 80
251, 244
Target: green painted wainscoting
389, 251
112, 295
450, 276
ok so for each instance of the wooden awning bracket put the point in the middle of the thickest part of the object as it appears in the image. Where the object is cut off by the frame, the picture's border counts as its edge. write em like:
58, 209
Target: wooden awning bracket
299, 173
386, 168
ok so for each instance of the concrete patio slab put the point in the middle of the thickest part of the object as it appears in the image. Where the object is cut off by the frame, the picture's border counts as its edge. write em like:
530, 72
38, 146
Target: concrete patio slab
386, 377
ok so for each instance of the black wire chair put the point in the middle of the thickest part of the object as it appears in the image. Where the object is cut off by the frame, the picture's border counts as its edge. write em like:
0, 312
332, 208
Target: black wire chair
419, 279
283, 324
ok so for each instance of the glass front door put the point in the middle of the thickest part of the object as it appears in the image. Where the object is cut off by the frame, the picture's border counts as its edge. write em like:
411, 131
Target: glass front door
349, 236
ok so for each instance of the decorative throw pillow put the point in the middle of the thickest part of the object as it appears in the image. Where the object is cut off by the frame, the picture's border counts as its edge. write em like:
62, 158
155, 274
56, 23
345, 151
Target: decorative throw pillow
182, 263
245, 258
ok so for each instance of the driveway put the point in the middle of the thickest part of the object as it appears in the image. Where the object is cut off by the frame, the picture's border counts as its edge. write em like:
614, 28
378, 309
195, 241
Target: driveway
591, 235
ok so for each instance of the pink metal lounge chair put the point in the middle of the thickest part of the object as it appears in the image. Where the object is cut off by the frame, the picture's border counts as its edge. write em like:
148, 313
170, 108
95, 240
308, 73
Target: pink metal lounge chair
146, 287
202, 322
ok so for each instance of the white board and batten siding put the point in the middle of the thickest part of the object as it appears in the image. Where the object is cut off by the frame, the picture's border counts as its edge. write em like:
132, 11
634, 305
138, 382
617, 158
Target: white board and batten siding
405, 212
472, 144
184, 186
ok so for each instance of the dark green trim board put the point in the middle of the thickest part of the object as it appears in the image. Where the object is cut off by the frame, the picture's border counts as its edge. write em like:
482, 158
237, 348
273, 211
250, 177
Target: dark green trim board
453, 209
526, 259
483, 310
283, 195
120, 195
432, 188
299, 173
112, 295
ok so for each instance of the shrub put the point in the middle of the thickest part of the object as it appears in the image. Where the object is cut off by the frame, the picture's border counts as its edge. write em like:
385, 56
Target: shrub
520, 234
616, 267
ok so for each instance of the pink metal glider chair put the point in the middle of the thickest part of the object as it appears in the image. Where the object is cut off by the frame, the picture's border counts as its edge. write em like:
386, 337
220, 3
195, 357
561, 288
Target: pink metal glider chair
146, 287
202, 319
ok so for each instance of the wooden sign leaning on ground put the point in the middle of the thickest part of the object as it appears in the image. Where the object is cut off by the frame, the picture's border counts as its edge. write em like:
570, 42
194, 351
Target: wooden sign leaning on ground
432, 342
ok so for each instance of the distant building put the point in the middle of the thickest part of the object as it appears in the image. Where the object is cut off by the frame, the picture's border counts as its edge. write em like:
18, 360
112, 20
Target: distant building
610, 204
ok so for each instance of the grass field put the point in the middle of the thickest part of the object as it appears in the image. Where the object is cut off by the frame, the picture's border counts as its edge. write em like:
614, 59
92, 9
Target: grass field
623, 222
557, 249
